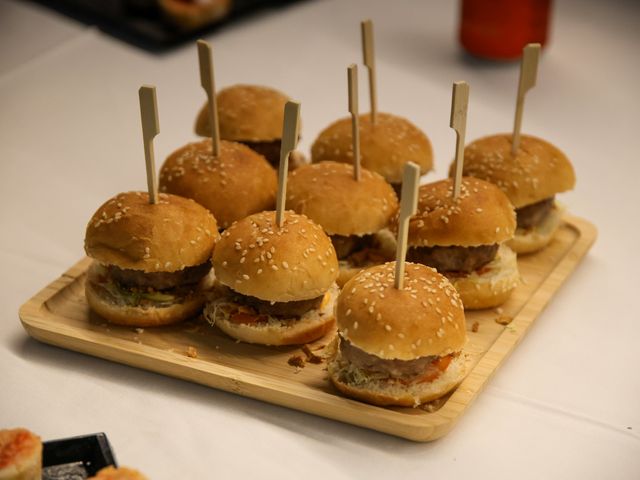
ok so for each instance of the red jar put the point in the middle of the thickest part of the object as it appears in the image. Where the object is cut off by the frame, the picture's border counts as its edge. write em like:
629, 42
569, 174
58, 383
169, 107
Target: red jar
499, 29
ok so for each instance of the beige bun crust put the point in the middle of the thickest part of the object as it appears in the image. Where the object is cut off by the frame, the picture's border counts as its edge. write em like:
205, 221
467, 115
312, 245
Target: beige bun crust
194, 15
142, 317
425, 318
385, 146
482, 215
119, 473
312, 326
532, 240
20, 455
246, 113
328, 194
232, 185
538, 171
493, 287
379, 392
280, 264
129, 232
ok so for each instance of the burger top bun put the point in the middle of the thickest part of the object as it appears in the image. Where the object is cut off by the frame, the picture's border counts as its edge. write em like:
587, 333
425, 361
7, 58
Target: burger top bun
482, 215
129, 232
280, 264
385, 146
327, 193
246, 113
425, 318
232, 185
539, 170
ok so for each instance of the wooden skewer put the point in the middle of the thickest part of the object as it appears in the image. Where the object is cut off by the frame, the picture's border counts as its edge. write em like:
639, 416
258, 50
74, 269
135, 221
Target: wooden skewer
150, 128
408, 205
352, 76
458, 121
369, 61
528, 74
288, 144
207, 81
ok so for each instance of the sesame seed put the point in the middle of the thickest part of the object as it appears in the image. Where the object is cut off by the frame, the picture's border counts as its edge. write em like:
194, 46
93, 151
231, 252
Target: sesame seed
245, 276
387, 327
274, 267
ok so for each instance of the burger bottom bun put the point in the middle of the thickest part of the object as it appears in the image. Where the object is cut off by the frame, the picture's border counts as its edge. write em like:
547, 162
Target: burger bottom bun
493, 287
385, 243
311, 326
384, 393
139, 316
534, 239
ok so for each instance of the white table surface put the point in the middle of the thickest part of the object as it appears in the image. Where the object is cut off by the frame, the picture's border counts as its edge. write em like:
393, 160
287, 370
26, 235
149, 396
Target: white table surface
567, 402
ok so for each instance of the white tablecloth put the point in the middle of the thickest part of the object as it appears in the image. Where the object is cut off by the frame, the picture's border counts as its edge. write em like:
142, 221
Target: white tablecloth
567, 402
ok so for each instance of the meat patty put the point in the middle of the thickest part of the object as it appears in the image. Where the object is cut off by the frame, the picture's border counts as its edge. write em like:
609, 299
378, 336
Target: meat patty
159, 280
279, 309
392, 368
271, 151
453, 259
346, 245
534, 214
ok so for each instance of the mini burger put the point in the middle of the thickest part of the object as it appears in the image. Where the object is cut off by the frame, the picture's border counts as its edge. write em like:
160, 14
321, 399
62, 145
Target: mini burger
355, 214
189, 15
252, 115
150, 260
232, 185
20, 455
385, 146
274, 285
398, 347
530, 179
464, 239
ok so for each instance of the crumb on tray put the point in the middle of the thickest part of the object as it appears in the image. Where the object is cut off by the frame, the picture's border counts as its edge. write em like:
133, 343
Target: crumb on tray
296, 361
311, 357
192, 352
475, 327
503, 319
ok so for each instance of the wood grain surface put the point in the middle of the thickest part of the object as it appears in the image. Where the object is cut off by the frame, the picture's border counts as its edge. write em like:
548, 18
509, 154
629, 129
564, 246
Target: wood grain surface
197, 352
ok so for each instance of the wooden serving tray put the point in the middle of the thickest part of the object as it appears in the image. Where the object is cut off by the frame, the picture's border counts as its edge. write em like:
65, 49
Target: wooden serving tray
59, 315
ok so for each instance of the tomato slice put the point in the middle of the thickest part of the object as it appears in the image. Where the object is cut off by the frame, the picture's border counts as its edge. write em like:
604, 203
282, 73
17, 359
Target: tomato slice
247, 318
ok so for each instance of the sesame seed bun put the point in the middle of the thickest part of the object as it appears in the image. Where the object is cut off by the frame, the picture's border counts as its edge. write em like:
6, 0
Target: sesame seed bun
492, 285
327, 193
379, 392
255, 257
246, 113
314, 324
425, 318
129, 232
482, 215
538, 171
233, 185
534, 239
20, 455
385, 146
116, 311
